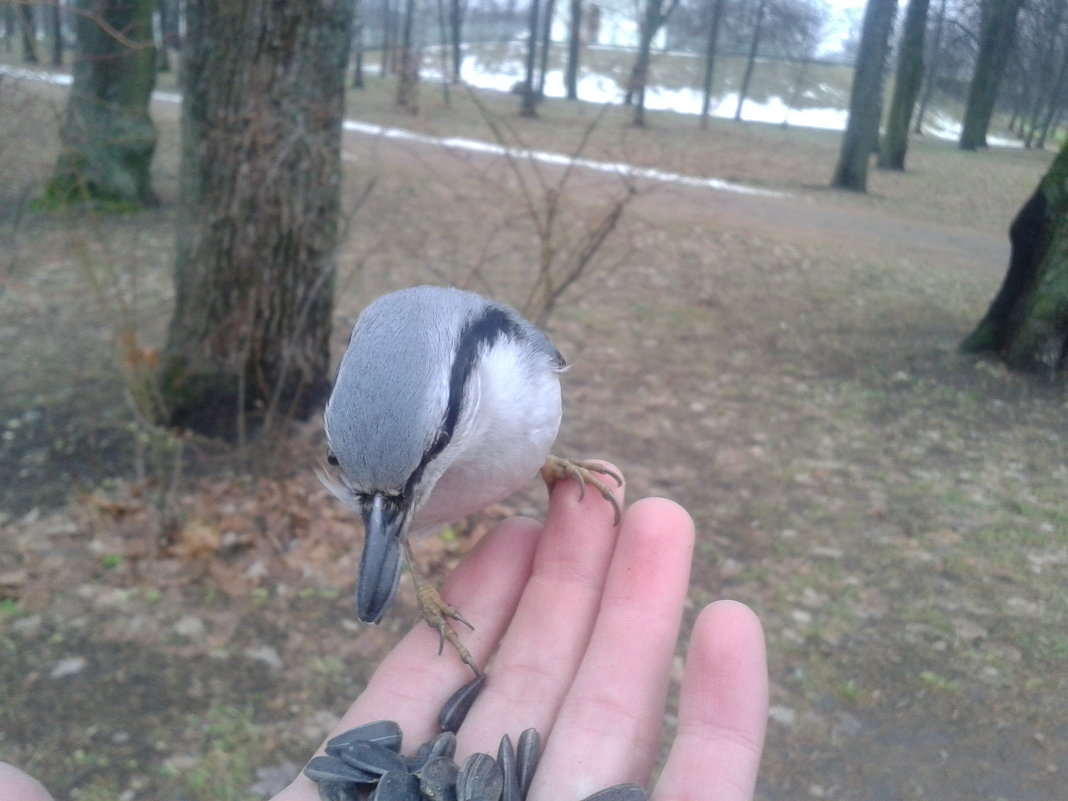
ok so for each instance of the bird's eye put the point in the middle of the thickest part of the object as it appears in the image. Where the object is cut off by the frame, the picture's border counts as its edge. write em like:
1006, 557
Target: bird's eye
331, 460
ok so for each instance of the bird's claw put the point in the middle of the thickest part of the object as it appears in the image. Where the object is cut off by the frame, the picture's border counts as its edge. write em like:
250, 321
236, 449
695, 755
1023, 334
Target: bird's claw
437, 613
557, 468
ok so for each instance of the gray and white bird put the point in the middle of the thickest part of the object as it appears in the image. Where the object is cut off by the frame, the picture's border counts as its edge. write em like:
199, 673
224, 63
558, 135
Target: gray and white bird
444, 403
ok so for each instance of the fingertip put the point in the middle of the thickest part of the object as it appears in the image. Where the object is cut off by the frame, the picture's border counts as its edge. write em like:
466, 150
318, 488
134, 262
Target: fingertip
19, 786
664, 515
723, 709
730, 630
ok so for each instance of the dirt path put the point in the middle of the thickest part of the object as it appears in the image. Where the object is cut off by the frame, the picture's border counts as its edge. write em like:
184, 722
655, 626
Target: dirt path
814, 215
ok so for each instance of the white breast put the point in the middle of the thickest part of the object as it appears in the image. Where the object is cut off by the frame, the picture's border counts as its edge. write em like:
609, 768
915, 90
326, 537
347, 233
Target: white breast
510, 420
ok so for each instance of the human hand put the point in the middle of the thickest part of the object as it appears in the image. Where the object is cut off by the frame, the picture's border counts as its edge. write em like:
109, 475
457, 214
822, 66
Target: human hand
580, 619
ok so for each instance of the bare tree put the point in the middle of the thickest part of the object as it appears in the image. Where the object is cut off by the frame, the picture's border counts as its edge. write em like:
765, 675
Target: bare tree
759, 12
656, 14
574, 49
529, 102
996, 35
934, 70
862, 129
569, 235
546, 45
258, 212
28, 25
108, 136
907, 83
457, 11
410, 54
711, 43
357, 43
55, 24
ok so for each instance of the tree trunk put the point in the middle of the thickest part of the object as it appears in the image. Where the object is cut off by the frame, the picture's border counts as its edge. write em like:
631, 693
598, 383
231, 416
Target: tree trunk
710, 60
388, 36
1056, 103
653, 21
108, 136
263, 85
750, 62
1027, 322
546, 45
906, 87
357, 44
29, 32
862, 129
529, 102
55, 19
996, 35
456, 24
574, 49
443, 34
410, 56
935, 70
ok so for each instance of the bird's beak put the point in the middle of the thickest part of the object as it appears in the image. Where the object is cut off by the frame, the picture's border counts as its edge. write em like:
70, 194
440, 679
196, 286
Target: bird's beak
380, 564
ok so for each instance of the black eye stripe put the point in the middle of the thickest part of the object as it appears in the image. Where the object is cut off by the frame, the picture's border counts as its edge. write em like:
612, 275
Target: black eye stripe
479, 333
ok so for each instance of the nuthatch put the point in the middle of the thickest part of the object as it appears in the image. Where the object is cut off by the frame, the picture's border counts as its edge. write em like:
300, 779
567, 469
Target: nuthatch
444, 403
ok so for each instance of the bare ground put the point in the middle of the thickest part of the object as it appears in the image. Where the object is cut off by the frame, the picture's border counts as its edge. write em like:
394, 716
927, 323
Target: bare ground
784, 367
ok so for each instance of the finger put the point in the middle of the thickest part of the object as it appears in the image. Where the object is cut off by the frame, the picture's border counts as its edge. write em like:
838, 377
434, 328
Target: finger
609, 726
14, 784
540, 653
412, 682
723, 710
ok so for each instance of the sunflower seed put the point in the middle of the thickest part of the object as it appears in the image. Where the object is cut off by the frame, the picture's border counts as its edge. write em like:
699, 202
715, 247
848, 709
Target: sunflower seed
396, 785
619, 792
455, 709
443, 745
480, 778
509, 771
338, 791
332, 769
386, 733
371, 757
437, 780
527, 754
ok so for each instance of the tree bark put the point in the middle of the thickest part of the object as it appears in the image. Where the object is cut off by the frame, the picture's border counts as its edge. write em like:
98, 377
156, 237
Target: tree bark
653, 20
750, 62
529, 101
862, 129
263, 84
710, 60
906, 87
1027, 322
108, 136
29, 32
55, 20
574, 49
410, 56
546, 45
456, 25
357, 43
996, 35
934, 71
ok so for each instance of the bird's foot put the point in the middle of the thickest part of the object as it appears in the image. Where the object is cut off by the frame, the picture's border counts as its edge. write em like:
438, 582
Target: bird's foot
437, 614
585, 473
